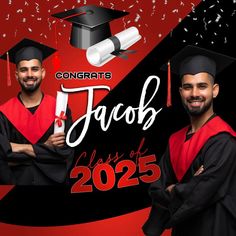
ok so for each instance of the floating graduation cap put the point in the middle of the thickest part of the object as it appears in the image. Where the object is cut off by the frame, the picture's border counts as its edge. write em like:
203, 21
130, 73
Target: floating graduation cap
90, 24
26, 49
193, 60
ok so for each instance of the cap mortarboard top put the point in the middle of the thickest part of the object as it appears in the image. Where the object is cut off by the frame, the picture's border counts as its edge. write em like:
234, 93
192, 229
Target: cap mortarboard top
90, 24
28, 49
193, 60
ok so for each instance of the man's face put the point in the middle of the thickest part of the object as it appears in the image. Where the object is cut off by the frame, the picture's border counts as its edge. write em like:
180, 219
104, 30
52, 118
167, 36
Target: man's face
197, 93
30, 75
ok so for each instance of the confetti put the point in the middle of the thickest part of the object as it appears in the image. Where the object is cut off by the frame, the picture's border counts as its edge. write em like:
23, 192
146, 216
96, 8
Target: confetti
112, 5
37, 7
131, 6
19, 11
218, 18
166, 2
24, 20
205, 24
137, 18
144, 40
4, 35
181, 3
175, 11
8, 16
30, 30
101, 3
185, 29
124, 23
163, 17
159, 35
26, 3
56, 6
9, 2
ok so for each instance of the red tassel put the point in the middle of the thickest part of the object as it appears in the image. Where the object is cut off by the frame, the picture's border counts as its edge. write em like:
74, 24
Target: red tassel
56, 59
168, 103
8, 71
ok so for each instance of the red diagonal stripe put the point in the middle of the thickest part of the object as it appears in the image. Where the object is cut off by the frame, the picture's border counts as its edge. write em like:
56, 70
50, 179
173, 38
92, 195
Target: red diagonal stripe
4, 190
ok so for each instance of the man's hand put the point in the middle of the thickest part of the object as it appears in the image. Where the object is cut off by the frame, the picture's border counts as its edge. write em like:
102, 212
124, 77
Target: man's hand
57, 139
199, 171
170, 188
23, 148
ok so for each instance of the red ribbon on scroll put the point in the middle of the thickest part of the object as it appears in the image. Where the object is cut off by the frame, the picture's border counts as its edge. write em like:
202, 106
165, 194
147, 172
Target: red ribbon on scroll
60, 118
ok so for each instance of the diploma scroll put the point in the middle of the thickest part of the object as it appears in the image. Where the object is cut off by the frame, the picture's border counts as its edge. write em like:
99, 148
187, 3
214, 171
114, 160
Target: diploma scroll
61, 105
104, 51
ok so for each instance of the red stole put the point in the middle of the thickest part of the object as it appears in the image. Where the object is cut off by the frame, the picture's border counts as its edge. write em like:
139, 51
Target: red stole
31, 126
183, 153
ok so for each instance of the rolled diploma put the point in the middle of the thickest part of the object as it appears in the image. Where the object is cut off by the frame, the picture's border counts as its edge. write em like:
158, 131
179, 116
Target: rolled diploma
100, 53
61, 105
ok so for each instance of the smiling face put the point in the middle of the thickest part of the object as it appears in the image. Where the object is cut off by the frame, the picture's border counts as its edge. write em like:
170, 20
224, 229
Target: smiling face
30, 75
197, 93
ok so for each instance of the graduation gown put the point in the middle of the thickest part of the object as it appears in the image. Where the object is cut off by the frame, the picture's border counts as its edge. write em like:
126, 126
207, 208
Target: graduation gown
203, 205
32, 126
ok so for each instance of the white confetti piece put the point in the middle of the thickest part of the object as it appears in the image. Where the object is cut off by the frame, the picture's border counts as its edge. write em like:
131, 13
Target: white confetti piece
112, 5
32, 15
39, 18
30, 30
37, 7
181, 3
185, 29
234, 1
141, 10
175, 11
8, 16
128, 21
212, 6
56, 6
4, 35
205, 24
26, 3
225, 40
19, 11
144, 40
180, 19
193, 7
218, 18
101, 3
159, 35
124, 23
137, 18
194, 18
166, 2
24, 20
131, 6
9, 2
49, 24
163, 17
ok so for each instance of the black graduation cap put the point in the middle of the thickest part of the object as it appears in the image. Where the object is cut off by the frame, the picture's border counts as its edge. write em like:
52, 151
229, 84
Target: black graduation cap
192, 60
90, 24
26, 49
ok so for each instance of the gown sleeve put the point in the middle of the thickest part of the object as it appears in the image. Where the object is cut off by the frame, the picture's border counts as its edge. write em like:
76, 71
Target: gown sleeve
159, 214
210, 186
45, 153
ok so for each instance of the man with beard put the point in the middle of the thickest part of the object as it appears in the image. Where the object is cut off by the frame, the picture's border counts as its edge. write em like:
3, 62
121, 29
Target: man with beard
196, 194
30, 152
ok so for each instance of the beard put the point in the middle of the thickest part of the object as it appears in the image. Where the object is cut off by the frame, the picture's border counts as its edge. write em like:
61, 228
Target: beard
197, 111
30, 88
